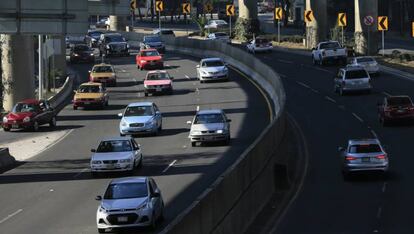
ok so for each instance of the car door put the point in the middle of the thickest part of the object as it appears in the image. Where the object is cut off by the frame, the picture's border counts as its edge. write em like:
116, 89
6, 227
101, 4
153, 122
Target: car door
137, 151
158, 116
156, 201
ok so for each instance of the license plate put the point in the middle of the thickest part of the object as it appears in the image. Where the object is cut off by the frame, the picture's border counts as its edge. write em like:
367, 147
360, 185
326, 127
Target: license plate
208, 138
401, 111
158, 89
110, 166
15, 126
122, 219
365, 159
86, 103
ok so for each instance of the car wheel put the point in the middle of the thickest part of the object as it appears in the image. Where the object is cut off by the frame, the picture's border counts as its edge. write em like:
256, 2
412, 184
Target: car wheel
107, 103
101, 230
6, 129
161, 217
193, 144
227, 141
35, 126
53, 122
160, 128
313, 61
384, 122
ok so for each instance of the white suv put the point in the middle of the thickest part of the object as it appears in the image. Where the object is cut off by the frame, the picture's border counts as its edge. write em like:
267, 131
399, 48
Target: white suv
352, 79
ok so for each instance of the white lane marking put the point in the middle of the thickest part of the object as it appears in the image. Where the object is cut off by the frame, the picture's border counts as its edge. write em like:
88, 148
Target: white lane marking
198, 108
330, 99
79, 173
170, 165
51, 190
374, 134
324, 70
314, 90
284, 61
384, 187
11, 215
187, 77
184, 146
198, 91
304, 85
282, 75
379, 212
194, 83
375, 231
386, 94
357, 117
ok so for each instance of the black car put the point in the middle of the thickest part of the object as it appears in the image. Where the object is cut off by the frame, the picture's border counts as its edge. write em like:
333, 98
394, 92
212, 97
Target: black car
113, 44
92, 38
81, 53
154, 42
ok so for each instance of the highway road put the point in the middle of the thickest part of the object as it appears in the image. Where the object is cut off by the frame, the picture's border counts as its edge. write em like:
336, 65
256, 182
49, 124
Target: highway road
54, 192
326, 203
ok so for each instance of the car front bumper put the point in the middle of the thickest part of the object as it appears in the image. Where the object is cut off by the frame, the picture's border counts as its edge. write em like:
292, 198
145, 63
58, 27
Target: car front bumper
135, 218
113, 167
209, 137
150, 65
220, 76
263, 49
138, 130
17, 125
77, 103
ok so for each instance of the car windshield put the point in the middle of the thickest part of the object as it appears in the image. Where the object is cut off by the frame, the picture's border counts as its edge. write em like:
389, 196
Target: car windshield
150, 53
208, 118
368, 148
158, 76
115, 39
81, 48
126, 190
114, 146
103, 69
152, 39
365, 60
399, 101
139, 111
215, 63
88, 89
356, 74
330, 45
25, 107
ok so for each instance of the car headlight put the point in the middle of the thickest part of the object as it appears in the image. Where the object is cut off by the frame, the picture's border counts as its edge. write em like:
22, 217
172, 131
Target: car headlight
96, 162
26, 119
5, 119
107, 46
145, 86
75, 54
220, 131
92, 54
128, 160
145, 205
93, 39
151, 122
123, 124
127, 46
195, 132
102, 209
225, 69
144, 61
204, 72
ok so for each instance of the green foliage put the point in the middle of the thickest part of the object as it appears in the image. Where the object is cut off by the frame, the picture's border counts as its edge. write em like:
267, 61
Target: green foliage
201, 22
246, 28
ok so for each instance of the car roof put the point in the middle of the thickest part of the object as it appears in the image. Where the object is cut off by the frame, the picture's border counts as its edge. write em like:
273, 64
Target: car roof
212, 111
140, 104
363, 141
211, 59
156, 71
116, 138
353, 68
91, 84
30, 101
112, 34
398, 96
149, 49
102, 65
129, 180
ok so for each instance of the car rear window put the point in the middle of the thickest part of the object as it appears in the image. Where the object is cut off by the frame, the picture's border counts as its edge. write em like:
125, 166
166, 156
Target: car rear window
330, 45
88, 89
208, 118
114, 146
126, 190
103, 69
356, 74
365, 148
158, 76
397, 101
365, 60
262, 41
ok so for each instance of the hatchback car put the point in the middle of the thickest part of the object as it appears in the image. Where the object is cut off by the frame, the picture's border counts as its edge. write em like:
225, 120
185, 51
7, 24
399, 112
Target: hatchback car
395, 108
130, 202
369, 63
210, 126
103, 73
158, 82
140, 117
363, 155
149, 58
352, 79
116, 154
30, 114
212, 69
90, 95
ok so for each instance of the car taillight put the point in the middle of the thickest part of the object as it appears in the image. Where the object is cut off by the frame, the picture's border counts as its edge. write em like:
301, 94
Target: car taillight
382, 156
350, 158
411, 108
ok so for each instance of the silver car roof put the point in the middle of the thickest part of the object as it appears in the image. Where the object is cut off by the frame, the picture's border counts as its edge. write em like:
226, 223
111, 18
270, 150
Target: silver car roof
117, 138
129, 180
363, 141
140, 104
212, 111
211, 59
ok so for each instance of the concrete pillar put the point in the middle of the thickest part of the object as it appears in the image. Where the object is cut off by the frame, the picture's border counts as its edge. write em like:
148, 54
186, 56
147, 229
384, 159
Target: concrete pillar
57, 60
366, 37
318, 29
247, 23
117, 23
17, 61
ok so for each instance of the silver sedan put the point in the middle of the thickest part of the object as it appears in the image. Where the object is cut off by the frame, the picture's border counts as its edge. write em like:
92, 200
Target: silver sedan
363, 155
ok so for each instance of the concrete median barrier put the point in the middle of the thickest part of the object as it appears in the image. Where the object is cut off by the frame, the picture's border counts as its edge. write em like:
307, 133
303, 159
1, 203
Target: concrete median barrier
59, 100
232, 202
6, 160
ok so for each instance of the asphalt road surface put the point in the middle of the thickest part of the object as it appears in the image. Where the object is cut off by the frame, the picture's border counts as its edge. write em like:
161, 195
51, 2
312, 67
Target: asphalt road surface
327, 203
54, 192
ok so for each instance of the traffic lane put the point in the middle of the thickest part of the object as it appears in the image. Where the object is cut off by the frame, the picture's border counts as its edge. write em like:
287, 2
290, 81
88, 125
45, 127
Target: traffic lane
326, 201
74, 152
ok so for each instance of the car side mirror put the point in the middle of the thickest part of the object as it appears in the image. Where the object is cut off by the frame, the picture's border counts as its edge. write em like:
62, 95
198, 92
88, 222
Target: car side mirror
189, 122
120, 114
93, 150
98, 198
198, 66
229, 120
158, 113
341, 149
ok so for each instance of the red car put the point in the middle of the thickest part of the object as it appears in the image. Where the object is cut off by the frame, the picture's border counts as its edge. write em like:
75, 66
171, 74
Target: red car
395, 108
149, 58
30, 114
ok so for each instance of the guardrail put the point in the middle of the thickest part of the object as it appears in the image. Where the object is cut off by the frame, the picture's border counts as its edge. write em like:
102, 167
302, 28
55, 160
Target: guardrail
232, 202
59, 100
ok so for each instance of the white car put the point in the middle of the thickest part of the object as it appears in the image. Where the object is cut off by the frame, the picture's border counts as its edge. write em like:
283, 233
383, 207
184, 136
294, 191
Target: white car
130, 202
116, 154
352, 79
212, 69
210, 126
369, 63
259, 45
140, 117
216, 24
219, 36
329, 51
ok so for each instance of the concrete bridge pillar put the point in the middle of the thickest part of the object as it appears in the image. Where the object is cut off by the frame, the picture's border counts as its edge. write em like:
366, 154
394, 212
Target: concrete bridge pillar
247, 23
117, 23
366, 37
318, 29
17, 62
